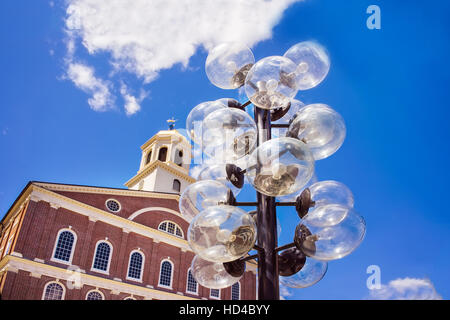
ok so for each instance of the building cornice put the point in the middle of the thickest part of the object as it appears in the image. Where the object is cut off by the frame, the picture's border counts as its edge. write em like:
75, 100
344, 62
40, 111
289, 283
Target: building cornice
109, 191
170, 167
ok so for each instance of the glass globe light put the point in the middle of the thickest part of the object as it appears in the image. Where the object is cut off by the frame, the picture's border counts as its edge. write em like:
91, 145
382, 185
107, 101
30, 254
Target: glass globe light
211, 274
280, 167
326, 215
312, 63
321, 128
271, 82
222, 233
197, 115
217, 172
201, 195
227, 65
312, 272
229, 134
333, 242
331, 192
230, 102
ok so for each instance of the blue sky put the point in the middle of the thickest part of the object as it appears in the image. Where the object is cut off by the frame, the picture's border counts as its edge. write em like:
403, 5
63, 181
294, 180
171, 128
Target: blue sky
390, 85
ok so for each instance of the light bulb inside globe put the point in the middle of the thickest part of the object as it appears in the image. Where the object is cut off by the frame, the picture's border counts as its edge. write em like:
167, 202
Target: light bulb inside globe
280, 167
313, 63
222, 233
270, 83
228, 134
227, 65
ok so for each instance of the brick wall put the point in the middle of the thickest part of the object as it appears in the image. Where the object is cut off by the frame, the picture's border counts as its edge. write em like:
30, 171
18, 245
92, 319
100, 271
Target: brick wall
42, 222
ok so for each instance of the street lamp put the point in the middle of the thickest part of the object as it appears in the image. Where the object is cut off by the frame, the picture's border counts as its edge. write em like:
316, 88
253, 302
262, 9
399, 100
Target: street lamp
221, 233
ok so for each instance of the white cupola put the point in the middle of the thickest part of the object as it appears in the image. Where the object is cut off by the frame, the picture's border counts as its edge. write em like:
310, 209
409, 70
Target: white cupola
164, 164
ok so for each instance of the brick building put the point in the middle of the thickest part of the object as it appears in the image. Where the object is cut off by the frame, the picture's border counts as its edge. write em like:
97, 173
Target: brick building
62, 241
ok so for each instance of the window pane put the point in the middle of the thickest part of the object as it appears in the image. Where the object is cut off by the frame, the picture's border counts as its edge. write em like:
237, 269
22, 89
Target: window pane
53, 291
171, 228
134, 271
166, 274
192, 283
94, 295
102, 256
64, 246
235, 291
215, 293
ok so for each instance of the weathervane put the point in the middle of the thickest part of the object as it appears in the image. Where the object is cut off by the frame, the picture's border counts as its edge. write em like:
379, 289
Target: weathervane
171, 123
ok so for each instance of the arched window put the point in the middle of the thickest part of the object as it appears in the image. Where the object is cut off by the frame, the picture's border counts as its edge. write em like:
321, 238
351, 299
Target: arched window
165, 274
129, 298
102, 257
171, 227
179, 158
162, 156
191, 283
135, 266
235, 291
53, 291
94, 295
64, 246
176, 185
149, 157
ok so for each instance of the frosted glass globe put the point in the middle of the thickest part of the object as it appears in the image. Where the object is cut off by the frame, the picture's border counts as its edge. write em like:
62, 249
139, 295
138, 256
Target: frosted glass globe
222, 233
227, 65
229, 133
280, 167
211, 274
271, 82
312, 63
321, 128
201, 195
312, 272
333, 242
195, 118
331, 192
217, 172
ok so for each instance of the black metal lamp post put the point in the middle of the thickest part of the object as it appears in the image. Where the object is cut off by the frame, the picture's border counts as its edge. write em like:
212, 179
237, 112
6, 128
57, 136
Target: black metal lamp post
221, 234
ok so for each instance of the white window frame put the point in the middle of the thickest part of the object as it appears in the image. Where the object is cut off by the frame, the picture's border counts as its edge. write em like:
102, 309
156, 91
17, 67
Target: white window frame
129, 298
109, 258
171, 275
56, 244
142, 266
213, 297
187, 283
94, 290
49, 283
176, 226
107, 208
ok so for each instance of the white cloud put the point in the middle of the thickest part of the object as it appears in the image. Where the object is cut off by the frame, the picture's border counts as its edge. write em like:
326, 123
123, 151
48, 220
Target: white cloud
83, 77
406, 289
132, 104
144, 37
